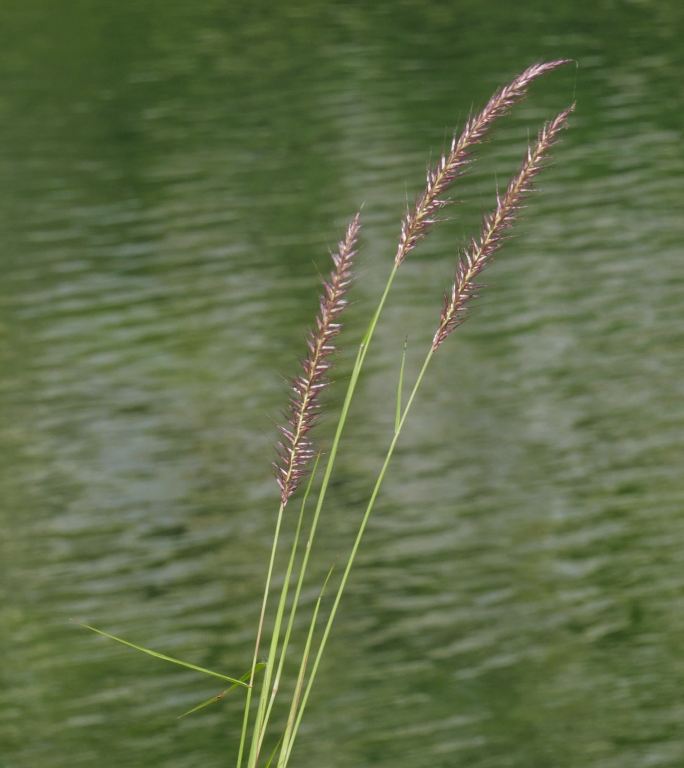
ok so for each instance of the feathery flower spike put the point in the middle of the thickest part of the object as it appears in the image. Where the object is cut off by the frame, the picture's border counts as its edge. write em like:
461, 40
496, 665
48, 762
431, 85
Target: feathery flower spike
418, 220
479, 252
295, 449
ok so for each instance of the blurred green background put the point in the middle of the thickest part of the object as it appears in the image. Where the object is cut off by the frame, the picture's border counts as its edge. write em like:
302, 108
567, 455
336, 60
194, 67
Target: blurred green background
172, 175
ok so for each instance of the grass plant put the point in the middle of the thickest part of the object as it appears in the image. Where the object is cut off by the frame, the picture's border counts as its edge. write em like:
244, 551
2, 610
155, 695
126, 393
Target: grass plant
297, 457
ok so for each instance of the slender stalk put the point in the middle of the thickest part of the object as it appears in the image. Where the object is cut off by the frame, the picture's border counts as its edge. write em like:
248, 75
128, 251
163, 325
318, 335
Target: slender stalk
260, 628
270, 660
356, 370
283, 600
294, 704
287, 747
358, 365
295, 450
349, 396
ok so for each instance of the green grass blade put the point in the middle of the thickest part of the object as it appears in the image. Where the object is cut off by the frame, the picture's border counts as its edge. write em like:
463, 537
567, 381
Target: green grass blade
292, 721
260, 629
346, 405
400, 386
164, 657
266, 698
219, 696
352, 557
293, 609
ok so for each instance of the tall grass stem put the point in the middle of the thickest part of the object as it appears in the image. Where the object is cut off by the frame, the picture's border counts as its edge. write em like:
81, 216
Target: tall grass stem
353, 553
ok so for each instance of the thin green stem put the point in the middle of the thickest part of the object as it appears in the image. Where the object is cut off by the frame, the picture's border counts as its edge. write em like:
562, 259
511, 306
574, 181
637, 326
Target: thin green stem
287, 747
302, 669
268, 673
282, 602
351, 389
264, 601
400, 387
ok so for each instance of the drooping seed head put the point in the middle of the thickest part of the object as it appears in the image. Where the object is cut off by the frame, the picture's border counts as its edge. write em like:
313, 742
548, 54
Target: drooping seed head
418, 220
494, 226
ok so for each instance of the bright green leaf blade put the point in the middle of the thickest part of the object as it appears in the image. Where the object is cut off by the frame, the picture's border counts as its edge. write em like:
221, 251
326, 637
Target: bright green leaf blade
293, 719
266, 703
164, 657
400, 386
219, 696
283, 594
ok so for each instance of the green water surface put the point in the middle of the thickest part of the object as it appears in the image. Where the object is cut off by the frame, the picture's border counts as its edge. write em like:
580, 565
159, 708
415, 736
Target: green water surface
172, 175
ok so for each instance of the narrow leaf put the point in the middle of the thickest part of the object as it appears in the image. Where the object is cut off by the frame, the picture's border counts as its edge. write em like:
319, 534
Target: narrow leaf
292, 720
164, 657
220, 696
264, 711
206, 703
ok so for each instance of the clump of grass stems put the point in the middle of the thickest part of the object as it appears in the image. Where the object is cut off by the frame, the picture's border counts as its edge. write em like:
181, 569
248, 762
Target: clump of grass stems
297, 456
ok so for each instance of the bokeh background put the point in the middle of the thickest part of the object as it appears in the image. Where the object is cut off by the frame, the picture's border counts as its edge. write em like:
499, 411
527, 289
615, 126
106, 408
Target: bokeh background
172, 175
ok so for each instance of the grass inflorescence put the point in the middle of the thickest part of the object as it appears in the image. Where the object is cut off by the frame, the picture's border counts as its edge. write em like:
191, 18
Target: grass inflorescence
260, 743
295, 450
